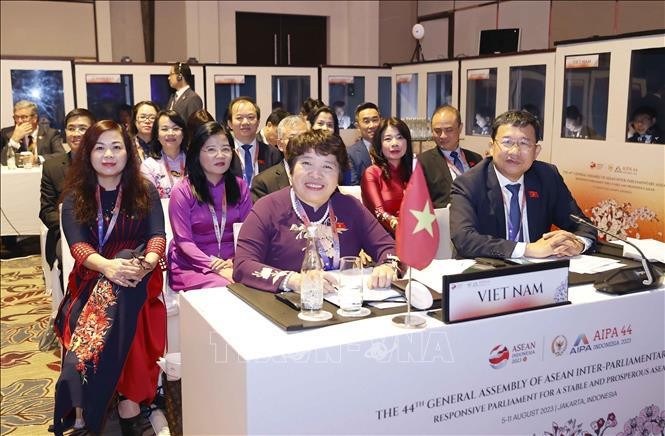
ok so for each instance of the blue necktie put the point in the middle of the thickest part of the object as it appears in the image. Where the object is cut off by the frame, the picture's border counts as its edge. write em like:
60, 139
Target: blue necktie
457, 161
514, 214
249, 164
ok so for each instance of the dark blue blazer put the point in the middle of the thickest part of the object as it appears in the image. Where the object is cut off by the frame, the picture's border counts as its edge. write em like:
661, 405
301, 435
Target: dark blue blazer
359, 160
477, 216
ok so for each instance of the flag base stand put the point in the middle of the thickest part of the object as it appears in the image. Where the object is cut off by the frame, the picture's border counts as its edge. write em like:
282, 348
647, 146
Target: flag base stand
409, 321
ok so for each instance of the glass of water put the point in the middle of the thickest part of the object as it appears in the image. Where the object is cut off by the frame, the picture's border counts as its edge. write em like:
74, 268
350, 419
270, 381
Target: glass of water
350, 291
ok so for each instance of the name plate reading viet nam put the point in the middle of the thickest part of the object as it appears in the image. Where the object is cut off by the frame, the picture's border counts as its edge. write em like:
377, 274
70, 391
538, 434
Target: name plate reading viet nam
483, 294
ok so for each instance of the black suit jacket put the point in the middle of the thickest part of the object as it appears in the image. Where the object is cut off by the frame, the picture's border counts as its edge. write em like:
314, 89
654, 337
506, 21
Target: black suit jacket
188, 103
477, 215
49, 142
271, 180
267, 157
438, 175
53, 179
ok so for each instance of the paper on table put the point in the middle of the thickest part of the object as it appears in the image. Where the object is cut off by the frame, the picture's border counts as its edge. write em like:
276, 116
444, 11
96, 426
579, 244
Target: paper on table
654, 250
584, 264
371, 295
431, 276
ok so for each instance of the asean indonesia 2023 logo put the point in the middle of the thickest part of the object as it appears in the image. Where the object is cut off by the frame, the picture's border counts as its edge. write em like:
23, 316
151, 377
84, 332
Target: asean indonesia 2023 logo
499, 356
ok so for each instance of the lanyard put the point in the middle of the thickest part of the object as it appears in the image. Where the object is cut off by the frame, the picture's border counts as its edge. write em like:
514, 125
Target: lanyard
219, 230
300, 212
103, 238
506, 206
452, 166
168, 167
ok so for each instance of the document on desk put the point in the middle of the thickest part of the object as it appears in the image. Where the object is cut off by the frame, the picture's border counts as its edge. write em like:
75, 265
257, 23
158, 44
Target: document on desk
583, 264
652, 249
381, 298
431, 276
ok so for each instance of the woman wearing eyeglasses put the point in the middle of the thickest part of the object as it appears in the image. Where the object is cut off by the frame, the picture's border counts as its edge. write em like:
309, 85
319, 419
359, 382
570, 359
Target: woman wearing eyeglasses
140, 129
202, 211
165, 164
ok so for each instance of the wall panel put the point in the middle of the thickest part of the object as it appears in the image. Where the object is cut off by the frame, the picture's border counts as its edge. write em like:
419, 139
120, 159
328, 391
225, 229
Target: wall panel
42, 28
468, 24
533, 19
581, 19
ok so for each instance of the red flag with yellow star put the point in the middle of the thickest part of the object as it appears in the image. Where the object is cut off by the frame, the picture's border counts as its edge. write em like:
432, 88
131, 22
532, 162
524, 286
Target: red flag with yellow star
417, 232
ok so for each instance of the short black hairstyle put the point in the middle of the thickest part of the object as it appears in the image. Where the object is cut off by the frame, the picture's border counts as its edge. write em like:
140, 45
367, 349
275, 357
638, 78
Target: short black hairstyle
573, 113
644, 110
80, 112
276, 116
366, 105
321, 142
183, 69
516, 119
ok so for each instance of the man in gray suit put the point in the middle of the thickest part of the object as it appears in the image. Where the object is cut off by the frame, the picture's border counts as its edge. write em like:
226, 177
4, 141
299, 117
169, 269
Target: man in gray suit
184, 100
28, 135
367, 120
279, 176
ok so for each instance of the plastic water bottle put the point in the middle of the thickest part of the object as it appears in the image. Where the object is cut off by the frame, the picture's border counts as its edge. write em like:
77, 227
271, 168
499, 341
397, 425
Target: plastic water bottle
11, 158
311, 284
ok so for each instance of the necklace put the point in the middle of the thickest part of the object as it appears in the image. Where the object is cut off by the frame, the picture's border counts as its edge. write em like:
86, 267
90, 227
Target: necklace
330, 257
300, 211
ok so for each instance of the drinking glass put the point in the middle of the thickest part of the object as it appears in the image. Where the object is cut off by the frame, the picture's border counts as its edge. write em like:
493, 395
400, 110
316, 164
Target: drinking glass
350, 292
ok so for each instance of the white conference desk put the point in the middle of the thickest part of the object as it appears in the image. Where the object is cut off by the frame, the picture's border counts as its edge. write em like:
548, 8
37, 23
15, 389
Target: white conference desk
241, 374
19, 201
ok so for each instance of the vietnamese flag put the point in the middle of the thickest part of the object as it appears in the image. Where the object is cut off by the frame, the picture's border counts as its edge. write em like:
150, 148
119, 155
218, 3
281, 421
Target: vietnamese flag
417, 232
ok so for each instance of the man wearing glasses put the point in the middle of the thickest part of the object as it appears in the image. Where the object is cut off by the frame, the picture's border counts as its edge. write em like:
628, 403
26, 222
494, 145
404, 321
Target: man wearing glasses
28, 135
53, 178
506, 205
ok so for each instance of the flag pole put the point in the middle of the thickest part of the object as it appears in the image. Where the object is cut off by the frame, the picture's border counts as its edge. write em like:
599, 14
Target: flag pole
409, 321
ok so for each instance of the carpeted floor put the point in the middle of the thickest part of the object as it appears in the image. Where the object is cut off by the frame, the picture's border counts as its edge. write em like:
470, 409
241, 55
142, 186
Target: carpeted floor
27, 375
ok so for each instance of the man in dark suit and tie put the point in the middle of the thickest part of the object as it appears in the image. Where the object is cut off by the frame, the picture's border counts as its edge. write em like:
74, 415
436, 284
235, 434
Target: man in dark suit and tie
243, 119
506, 205
447, 160
28, 135
53, 178
279, 176
184, 100
367, 121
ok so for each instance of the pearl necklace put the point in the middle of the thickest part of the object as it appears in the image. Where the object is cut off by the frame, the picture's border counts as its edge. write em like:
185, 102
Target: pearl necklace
295, 203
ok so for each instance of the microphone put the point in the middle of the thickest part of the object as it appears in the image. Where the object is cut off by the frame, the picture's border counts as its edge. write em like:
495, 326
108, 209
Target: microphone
625, 280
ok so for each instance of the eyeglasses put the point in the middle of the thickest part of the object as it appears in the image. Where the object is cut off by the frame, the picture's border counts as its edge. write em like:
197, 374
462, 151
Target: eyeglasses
213, 151
146, 117
508, 144
176, 130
